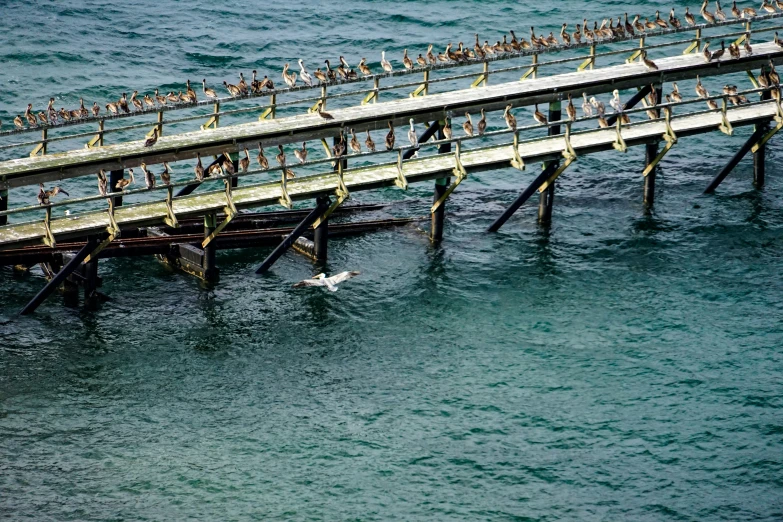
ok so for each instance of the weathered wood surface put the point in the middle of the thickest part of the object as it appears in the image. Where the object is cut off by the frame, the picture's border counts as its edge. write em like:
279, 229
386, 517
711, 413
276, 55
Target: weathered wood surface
368, 178
51, 167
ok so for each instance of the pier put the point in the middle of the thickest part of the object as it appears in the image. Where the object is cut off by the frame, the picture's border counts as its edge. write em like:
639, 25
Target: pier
184, 226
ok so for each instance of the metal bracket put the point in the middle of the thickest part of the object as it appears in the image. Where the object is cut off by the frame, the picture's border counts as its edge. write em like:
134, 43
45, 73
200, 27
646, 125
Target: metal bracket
231, 212
556, 174
725, 125
619, 143
695, 45
461, 174
533, 71
778, 110
517, 162
113, 229
649, 168
669, 134
568, 153
332, 208
97, 139
636, 53
590, 62
753, 80
213, 120
159, 126
372, 96
741, 40
401, 181
767, 136
483, 77
285, 199
48, 238
271, 111
92, 255
171, 219
321, 103
422, 89
41, 147
342, 190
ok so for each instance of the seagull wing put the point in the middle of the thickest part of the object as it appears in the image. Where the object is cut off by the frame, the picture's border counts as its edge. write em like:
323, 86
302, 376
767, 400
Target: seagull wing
310, 282
339, 278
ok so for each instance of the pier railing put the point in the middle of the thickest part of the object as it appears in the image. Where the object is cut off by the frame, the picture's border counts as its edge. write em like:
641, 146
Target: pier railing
371, 94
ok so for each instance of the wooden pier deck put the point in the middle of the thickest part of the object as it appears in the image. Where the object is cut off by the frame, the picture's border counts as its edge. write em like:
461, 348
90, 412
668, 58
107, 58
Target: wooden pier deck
295, 129
360, 179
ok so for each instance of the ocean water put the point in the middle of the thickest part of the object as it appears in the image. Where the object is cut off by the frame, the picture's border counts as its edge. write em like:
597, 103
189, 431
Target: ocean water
617, 365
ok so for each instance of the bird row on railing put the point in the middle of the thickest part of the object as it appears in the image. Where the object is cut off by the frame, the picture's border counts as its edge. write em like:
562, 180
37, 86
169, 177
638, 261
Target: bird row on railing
607, 30
768, 78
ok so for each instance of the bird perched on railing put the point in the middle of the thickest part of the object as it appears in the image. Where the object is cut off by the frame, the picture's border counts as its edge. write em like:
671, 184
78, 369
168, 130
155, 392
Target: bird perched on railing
242, 85
232, 89
304, 75
29, 116
390, 137
165, 176
199, 168
123, 182
719, 14
674, 22
369, 143
149, 176
191, 94
689, 17
162, 99
281, 156
768, 7
647, 62
95, 109
354, 143
339, 148
385, 63
44, 195
136, 103
122, 103
570, 109
748, 48
209, 93
301, 154
289, 79
406, 61
152, 140
615, 102
701, 92
539, 116
587, 108
262, 161
228, 164
511, 121
103, 183
468, 125
675, 95
706, 14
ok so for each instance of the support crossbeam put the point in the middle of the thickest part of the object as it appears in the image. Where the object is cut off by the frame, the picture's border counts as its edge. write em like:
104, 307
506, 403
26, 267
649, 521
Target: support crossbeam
522, 198
67, 270
321, 206
734, 161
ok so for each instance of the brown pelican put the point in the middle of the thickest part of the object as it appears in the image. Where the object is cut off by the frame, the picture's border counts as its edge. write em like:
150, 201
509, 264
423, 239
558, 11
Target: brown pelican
689, 17
587, 109
648, 63
431, 57
539, 116
281, 156
390, 137
149, 176
304, 75
232, 89
136, 103
165, 176
162, 99
748, 48
123, 103
30, 116
676, 96
242, 85
301, 154
122, 182
734, 11
289, 79
188, 89
244, 163
152, 139
406, 61
468, 125
44, 195
570, 109
199, 169
701, 92
262, 161
706, 14
511, 121
209, 93
482, 124
369, 143
103, 184
385, 63
675, 22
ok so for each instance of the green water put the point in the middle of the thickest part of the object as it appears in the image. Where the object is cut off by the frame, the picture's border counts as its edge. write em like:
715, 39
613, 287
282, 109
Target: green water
618, 365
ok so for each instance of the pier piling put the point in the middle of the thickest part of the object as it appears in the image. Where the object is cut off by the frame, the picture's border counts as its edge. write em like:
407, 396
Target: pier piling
546, 199
650, 153
114, 177
209, 265
436, 227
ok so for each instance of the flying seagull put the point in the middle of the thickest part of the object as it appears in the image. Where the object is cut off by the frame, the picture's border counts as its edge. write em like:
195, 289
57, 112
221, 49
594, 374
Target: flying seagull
329, 282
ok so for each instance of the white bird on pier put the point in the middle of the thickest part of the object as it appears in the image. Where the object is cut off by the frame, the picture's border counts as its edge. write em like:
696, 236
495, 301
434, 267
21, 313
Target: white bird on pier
616, 104
329, 282
412, 135
385, 63
304, 75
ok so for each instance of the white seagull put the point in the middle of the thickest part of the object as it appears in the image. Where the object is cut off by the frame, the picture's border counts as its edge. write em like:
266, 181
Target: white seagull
329, 282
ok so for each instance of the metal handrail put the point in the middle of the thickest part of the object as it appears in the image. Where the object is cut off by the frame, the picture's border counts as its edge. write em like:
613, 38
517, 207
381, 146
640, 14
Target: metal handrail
400, 150
403, 72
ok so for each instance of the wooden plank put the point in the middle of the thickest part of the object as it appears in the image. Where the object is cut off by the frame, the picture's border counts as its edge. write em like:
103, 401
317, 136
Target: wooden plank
304, 127
368, 178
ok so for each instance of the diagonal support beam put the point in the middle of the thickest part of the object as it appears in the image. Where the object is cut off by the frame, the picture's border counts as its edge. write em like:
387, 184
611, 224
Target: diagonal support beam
67, 270
321, 206
733, 162
529, 191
